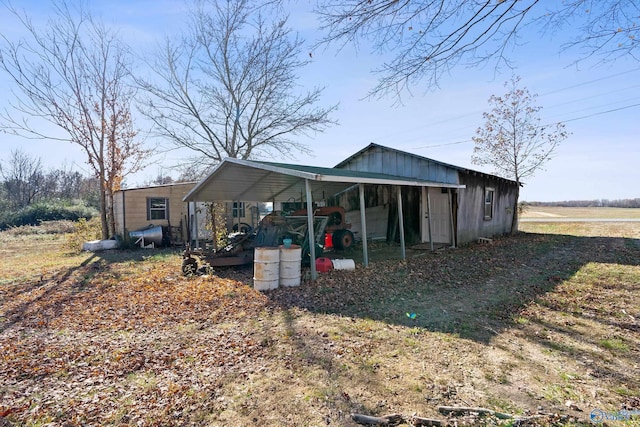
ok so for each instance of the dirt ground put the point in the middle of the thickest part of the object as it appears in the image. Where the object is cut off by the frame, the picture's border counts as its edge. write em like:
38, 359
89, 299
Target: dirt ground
542, 327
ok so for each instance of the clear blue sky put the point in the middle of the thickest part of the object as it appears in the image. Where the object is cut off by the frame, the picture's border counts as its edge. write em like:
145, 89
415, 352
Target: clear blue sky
600, 105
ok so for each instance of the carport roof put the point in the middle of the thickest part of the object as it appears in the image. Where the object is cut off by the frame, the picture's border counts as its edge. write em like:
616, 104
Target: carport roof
236, 179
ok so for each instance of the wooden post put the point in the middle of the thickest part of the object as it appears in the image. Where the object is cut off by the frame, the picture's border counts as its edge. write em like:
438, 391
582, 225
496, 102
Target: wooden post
401, 224
310, 231
365, 253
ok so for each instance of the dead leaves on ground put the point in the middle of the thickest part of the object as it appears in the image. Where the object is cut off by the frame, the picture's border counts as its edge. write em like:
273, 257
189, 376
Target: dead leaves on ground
156, 297
102, 347
138, 344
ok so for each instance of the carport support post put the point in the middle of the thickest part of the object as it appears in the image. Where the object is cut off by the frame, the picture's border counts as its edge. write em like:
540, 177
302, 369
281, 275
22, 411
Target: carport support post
311, 231
401, 224
453, 228
365, 252
195, 224
429, 218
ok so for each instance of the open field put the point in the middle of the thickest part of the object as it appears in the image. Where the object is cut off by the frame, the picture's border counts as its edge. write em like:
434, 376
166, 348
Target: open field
545, 324
551, 212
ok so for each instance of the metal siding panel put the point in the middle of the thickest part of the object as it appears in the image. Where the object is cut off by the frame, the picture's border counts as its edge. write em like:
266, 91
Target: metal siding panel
414, 171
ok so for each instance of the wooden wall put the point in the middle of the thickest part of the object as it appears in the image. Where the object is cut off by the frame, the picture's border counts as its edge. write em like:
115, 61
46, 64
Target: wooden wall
468, 203
130, 207
471, 221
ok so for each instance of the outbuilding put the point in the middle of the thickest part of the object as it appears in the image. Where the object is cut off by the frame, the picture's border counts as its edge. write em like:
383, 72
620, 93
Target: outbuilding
467, 206
387, 194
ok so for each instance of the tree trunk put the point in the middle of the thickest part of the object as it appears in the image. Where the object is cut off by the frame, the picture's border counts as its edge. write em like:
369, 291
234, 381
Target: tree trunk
515, 217
111, 216
103, 205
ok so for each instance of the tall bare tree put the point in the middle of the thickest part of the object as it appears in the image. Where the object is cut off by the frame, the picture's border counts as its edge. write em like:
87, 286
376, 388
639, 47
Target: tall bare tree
228, 88
426, 38
74, 73
512, 139
22, 178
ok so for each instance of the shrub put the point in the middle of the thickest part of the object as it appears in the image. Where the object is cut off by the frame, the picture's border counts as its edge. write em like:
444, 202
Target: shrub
47, 227
85, 231
38, 213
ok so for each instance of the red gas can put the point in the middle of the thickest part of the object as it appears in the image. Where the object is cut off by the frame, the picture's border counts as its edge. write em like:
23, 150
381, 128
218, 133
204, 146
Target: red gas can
323, 265
328, 240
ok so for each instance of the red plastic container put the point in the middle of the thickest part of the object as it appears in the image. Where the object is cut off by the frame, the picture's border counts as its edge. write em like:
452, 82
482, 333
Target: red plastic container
328, 240
323, 265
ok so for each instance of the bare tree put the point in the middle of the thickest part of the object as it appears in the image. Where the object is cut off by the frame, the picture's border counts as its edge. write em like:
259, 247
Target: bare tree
228, 87
23, 179
426, 38
73, 73
512, 139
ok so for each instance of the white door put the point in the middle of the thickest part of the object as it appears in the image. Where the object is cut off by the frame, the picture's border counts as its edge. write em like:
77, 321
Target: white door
440, 215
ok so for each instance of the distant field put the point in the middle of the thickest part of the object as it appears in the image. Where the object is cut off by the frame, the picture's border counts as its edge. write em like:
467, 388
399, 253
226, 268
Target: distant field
580, 213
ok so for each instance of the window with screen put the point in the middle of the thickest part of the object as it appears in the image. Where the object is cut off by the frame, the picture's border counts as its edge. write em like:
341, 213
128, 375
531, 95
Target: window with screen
157, 208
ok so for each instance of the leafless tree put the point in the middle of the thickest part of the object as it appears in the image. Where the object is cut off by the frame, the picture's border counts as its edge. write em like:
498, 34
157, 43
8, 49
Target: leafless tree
512, 139
23, 179
426, 38
73, 73
229, 88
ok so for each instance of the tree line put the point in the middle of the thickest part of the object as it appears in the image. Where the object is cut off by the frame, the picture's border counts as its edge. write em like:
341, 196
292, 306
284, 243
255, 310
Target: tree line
30, 194
228, 85
596, 203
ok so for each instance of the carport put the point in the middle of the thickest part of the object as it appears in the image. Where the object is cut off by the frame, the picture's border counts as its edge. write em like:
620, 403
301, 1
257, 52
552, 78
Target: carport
242, 180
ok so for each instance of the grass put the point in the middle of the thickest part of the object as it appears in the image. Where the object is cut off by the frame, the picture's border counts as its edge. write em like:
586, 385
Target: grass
529, 322
580, 213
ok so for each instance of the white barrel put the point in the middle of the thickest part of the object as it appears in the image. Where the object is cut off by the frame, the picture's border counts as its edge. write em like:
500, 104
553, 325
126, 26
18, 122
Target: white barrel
290, 262
266, 268
343, 264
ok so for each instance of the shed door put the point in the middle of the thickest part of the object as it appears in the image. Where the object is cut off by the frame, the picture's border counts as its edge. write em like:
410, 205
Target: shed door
440, 216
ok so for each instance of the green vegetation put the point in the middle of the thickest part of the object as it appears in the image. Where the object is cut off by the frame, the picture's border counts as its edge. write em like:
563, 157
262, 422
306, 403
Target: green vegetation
37, 213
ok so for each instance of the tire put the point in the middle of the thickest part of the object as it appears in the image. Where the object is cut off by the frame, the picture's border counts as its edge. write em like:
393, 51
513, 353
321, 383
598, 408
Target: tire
342, 239
244, 228
189, 266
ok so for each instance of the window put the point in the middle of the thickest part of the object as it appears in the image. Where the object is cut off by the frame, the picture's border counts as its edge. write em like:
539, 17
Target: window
488, 203
238, 210
157, 208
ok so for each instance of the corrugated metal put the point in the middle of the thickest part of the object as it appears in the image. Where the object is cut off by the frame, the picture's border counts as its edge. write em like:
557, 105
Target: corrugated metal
382, 160
377, 158
236, 179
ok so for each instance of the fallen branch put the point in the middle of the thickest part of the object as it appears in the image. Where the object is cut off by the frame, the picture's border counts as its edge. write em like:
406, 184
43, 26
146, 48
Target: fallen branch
457, 410
419, 421
387, 420
394, 419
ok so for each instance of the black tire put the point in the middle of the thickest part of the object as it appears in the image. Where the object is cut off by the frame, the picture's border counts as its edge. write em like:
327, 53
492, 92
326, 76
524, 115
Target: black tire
189, 266
342, 239
244, 228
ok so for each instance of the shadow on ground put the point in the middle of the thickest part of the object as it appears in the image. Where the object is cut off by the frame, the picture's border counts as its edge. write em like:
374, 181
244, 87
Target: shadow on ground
474, 291
65, 284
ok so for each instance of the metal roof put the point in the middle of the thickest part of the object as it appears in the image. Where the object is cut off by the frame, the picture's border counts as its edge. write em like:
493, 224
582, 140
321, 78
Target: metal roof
236, 179
373, 146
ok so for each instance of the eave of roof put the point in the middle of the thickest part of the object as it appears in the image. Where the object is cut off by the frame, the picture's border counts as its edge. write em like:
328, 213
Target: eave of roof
236, 179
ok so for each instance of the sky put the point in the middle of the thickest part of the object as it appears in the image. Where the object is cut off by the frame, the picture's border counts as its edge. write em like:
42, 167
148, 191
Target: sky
600, 105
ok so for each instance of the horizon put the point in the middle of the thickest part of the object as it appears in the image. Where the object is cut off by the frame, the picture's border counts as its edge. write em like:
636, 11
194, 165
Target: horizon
599, 105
